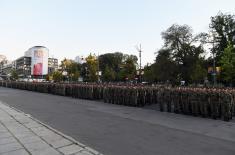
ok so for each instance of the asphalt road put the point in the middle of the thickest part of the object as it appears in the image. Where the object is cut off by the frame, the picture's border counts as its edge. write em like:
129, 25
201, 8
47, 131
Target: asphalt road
119, 130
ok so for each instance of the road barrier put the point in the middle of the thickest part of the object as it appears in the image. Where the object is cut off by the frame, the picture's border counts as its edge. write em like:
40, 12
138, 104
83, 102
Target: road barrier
203, 102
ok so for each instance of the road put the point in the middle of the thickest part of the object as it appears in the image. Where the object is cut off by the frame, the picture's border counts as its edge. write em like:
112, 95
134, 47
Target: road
120, 130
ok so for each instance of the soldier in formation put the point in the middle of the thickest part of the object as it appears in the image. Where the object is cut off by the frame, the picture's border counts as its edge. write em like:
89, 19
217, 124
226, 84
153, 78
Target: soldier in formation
216, 103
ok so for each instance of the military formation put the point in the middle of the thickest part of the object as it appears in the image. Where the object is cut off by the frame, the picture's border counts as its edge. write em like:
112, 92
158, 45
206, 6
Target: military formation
216, 103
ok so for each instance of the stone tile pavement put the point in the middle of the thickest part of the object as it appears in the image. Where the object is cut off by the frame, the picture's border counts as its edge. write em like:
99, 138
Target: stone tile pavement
20, 134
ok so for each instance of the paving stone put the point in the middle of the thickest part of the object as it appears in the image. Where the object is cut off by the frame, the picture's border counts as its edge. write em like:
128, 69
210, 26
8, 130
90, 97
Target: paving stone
70, 149
10, 147
36, 129
12, 124
60, 143
52, 137
30, 139
35, 146
24, 134
16, 152
44, 133
24, 120
36, 138
7, 140
1, 126
84, 152
32, 125
47, 151
5, 135
7, 121
18, 129
3, 130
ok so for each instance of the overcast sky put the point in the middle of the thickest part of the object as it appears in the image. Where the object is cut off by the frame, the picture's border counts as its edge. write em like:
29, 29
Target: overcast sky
78, 27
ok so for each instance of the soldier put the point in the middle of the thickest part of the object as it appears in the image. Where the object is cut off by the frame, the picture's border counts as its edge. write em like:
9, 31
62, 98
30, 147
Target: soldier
176, 100
161, 99
203, 101
214, 103
226, 106
167, 99
194, 102
185, 101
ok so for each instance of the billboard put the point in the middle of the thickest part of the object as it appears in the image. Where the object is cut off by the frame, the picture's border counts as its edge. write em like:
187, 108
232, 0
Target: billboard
39, 59
211, 70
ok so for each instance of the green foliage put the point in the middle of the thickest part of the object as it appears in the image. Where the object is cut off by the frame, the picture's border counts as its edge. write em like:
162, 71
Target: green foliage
108, 74
228, 64
57, 76
118, 66
72, 68
66, 65
92, 67
186, 49
112, 60
164, 68
14, 75
199, 73
149, 73
75, 76
223, 28
128, 69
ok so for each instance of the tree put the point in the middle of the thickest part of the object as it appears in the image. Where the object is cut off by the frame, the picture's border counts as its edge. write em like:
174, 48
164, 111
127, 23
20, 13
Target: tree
117, 65
74, 76
222, 27
185, 47
128, 68
72, 68
84, 71
57, 76
108, 74
228, 64
3, 60
112, 60
92, 68
164, 68
65, 65
14, 75
149, 75
199, 72
74, 71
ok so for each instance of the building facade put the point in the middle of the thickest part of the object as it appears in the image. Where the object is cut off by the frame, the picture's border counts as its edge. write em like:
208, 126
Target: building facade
34, 64
52, 65
80, 59
23, 67
6, 69
39, 60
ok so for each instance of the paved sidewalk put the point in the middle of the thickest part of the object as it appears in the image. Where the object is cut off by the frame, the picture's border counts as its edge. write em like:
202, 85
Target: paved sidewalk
20, 134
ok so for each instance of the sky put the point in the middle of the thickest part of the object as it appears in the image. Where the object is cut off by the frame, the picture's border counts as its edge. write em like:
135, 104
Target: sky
70, 28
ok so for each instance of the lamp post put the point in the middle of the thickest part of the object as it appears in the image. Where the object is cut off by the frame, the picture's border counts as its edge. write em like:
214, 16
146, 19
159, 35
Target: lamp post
214, 63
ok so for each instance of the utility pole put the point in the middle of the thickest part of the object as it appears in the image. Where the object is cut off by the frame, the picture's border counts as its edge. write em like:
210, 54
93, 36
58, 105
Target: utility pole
139, 49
